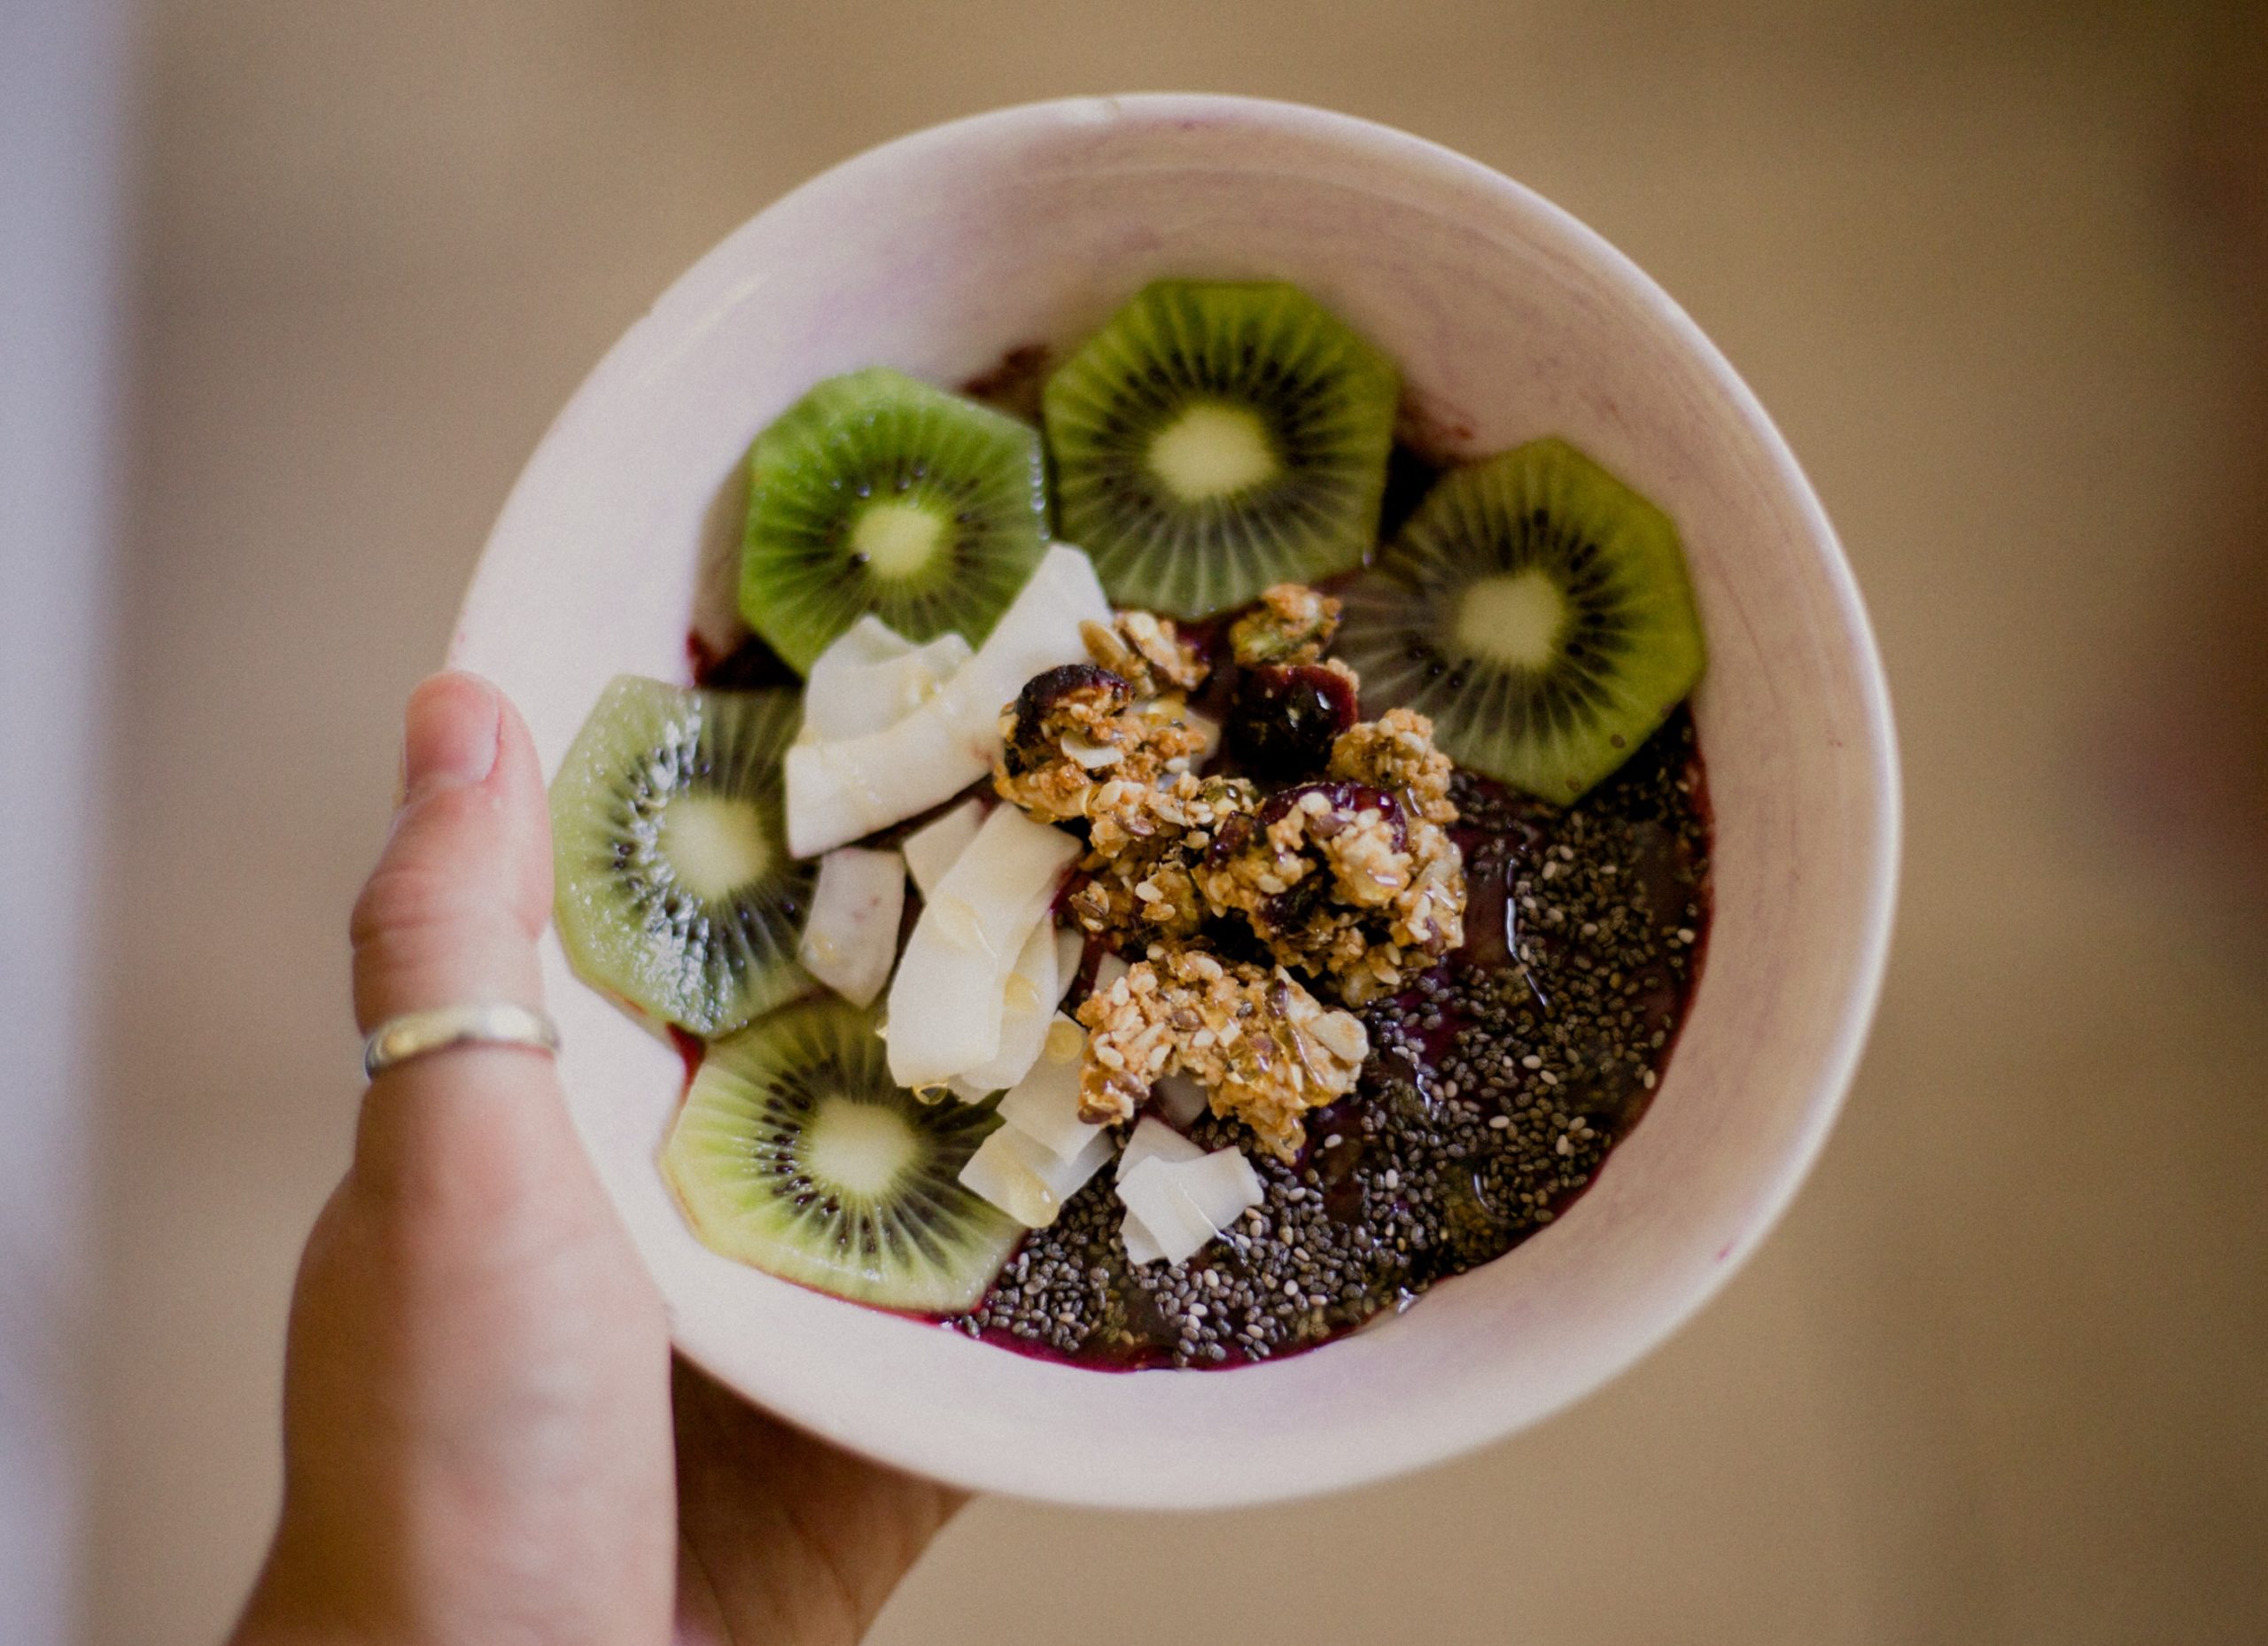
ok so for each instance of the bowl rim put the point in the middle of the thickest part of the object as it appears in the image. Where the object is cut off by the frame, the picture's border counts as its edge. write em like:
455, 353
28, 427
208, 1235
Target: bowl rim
1775, 1186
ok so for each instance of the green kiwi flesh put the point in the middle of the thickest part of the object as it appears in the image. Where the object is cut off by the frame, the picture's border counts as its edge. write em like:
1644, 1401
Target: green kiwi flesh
1218, 437
795, 1153
877, 493
1539, 611
674, 887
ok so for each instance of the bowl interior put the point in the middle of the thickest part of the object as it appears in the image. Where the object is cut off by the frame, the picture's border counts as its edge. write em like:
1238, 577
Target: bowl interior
936, 254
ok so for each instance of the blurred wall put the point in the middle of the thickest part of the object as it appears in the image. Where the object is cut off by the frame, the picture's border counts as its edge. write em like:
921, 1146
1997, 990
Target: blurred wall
59, 163
1996, 1378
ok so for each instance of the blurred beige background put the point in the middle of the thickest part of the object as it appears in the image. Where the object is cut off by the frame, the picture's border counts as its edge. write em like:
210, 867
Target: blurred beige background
1999, 1375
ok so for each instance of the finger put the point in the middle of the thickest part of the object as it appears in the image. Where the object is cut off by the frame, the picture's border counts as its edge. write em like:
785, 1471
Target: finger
450, 917
782, 1535
451, 914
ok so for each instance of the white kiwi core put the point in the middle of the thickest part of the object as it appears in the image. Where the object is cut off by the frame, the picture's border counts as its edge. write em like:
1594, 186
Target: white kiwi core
861, 1148
897, 540
1212, 451
715, 845
1515, 619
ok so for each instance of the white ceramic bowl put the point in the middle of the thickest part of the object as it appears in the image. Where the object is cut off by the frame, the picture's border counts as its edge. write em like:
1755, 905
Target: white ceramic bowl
937, 252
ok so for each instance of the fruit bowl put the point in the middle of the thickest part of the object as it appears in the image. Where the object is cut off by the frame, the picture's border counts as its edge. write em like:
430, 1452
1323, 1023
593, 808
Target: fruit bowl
943, 253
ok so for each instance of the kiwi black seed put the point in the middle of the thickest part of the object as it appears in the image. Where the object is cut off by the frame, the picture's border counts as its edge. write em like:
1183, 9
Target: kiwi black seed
878, 492
795, 1153
1217, 436
1539, 611
675, 890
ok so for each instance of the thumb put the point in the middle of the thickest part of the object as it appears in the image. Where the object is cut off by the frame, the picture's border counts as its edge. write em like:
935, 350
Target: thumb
450, 917
476, 1412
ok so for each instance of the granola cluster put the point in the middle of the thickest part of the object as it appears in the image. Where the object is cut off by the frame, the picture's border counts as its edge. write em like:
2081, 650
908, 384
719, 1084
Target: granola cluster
1344, 880
1292, 623
1266, 1049
1147, 651
1395, 752
1351, 880
1077, 730
1143, 846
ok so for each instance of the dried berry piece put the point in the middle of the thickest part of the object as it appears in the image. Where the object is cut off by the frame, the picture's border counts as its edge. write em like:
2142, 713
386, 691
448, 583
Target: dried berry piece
1286, 718
1341, 802
1074, 700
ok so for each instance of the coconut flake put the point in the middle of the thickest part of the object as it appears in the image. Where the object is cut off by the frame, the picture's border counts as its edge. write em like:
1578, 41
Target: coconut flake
1173, 1221
1141, 1246
1044, 1104
1016, 1172
1028, 995
1070, 950
1183, 1204
950, 997
1222, 1183
868, 642
1153, 1138
840, 790
852, 936
871, 676
933, 848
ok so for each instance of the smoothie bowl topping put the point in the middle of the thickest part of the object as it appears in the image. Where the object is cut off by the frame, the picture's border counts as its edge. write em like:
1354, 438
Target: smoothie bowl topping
1147, 891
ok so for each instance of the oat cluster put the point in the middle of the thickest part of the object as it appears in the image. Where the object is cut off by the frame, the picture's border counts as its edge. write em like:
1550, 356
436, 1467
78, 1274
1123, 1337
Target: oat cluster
1077, 730
1265, 1048
1395, 752
1292, 623
1350, 880
1148, 652
1355, 879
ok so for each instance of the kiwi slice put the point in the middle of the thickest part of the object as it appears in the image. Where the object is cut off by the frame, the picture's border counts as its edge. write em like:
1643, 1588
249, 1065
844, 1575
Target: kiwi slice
1218, 437
876, 492
795, 1152
1538, 610
675, 886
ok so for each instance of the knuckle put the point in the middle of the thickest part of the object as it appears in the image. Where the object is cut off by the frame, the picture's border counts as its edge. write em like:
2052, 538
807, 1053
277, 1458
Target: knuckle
441, 868
401, 901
